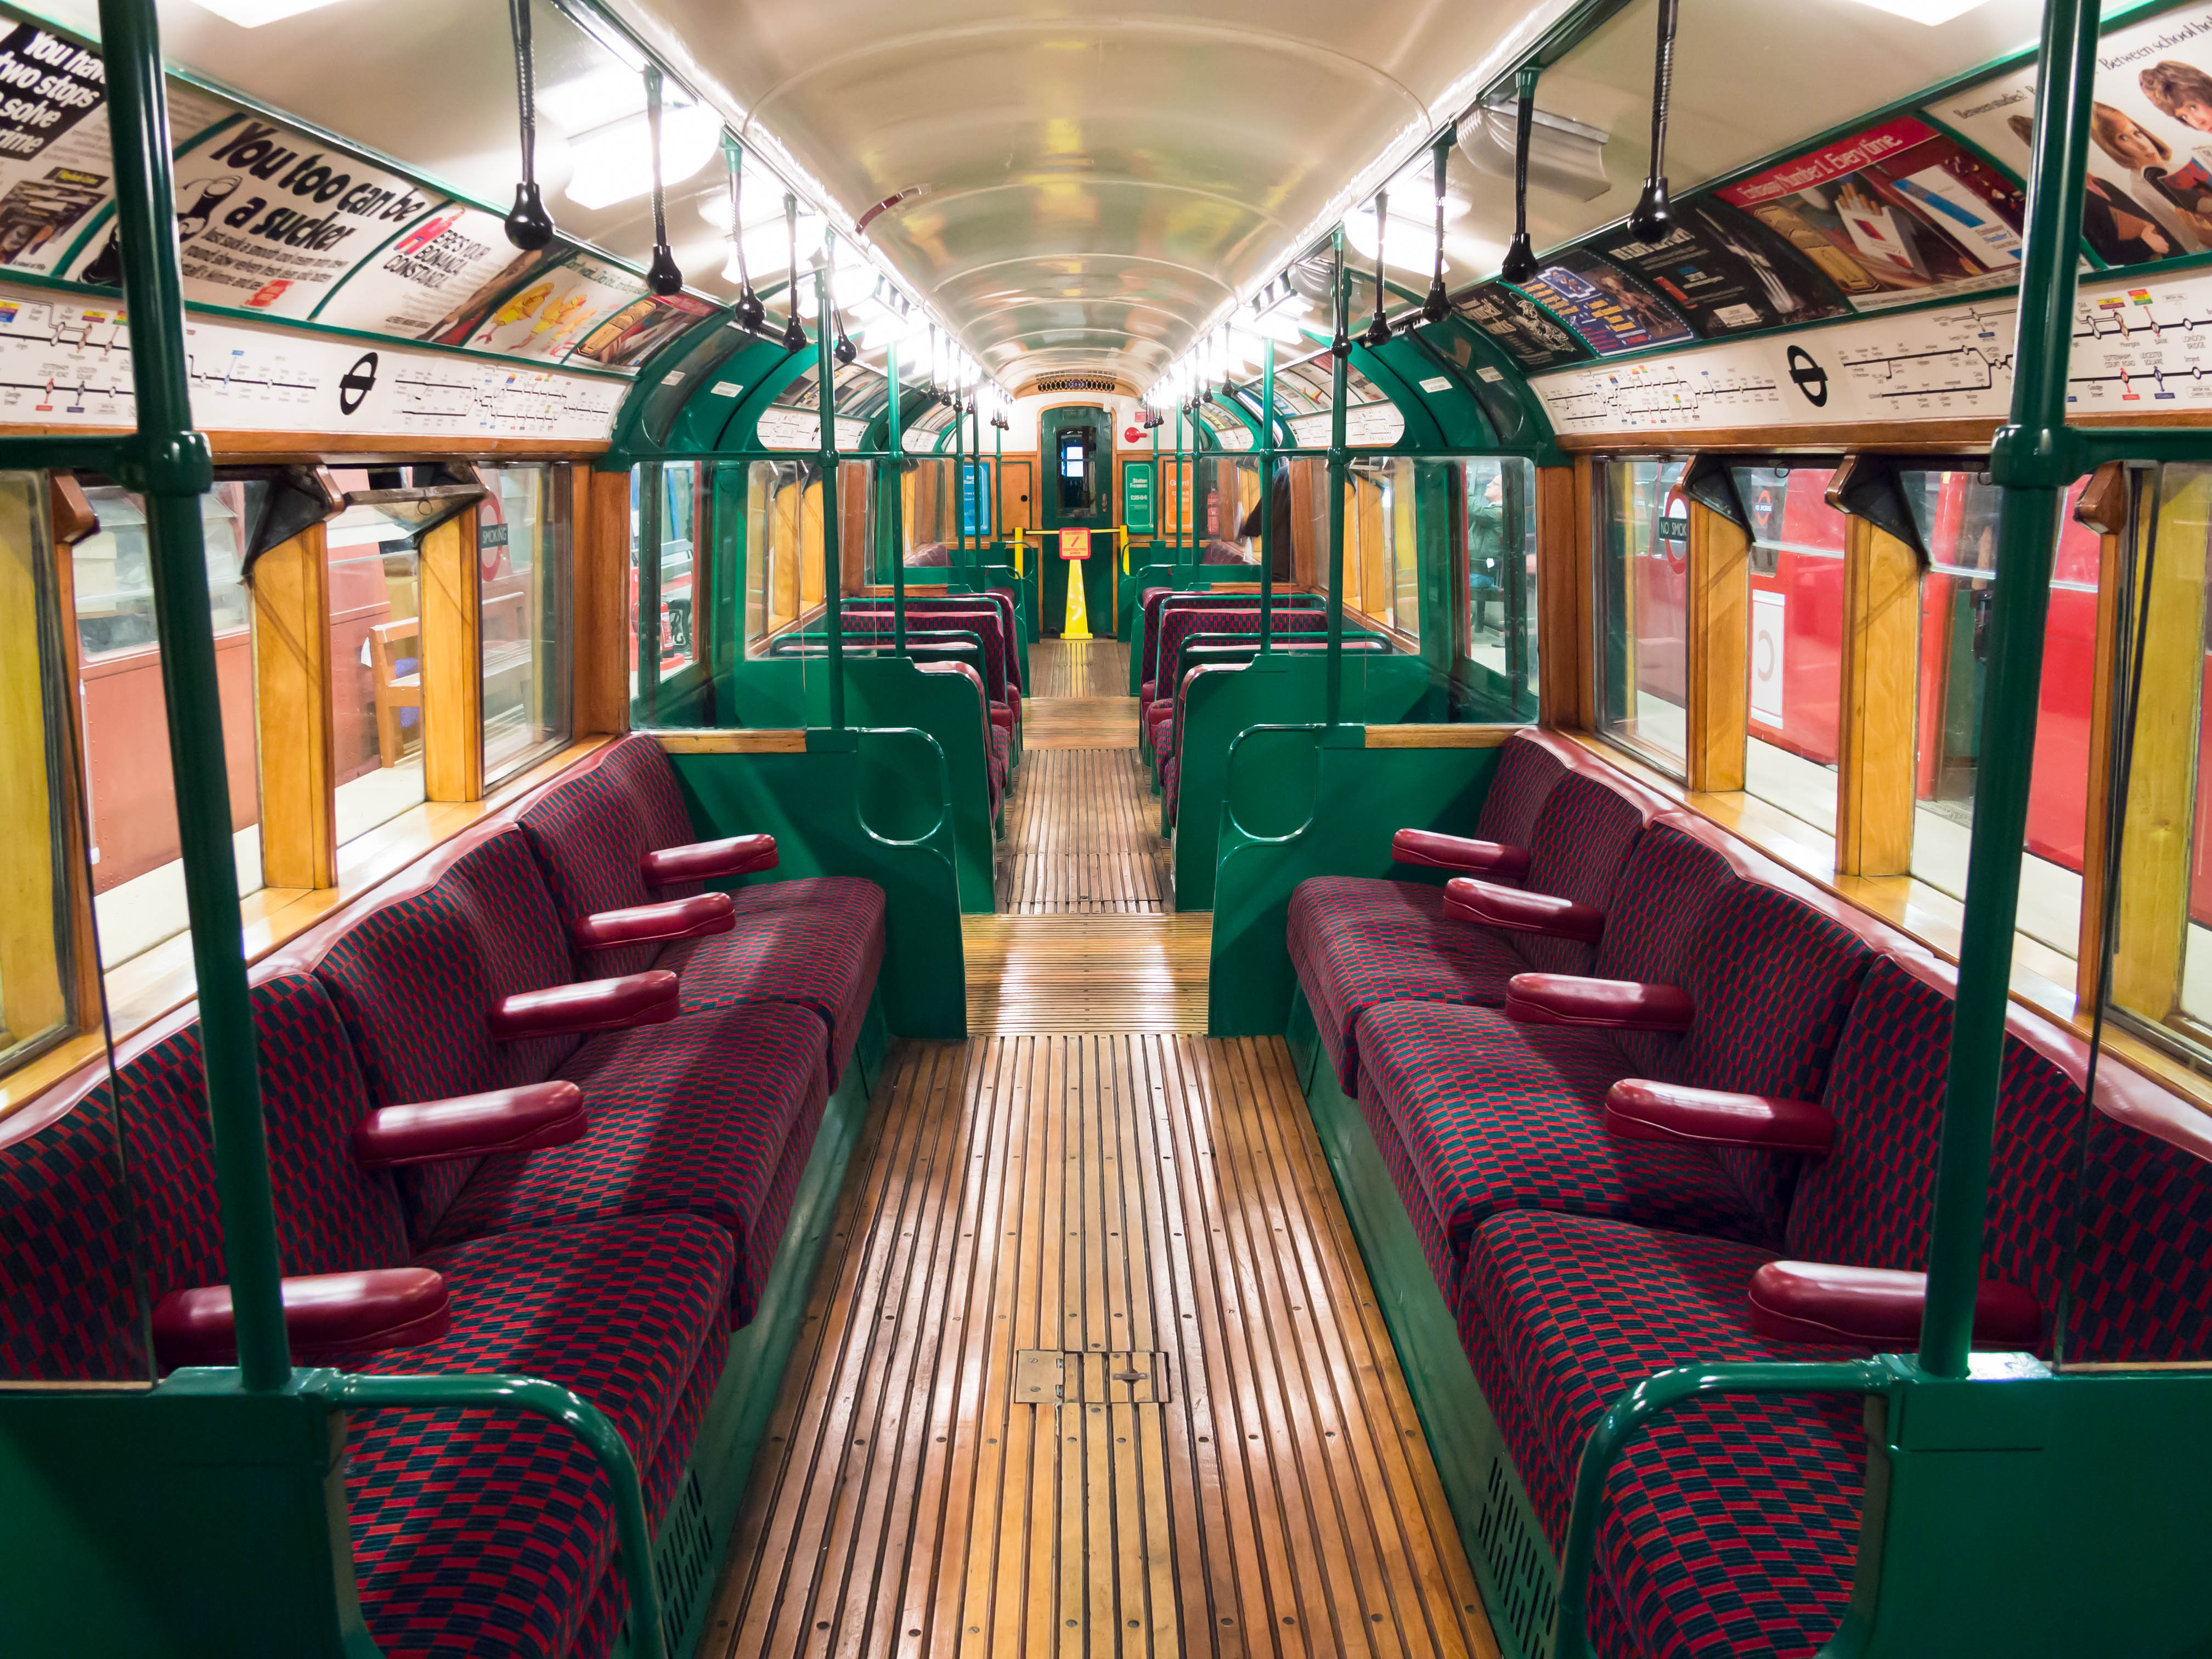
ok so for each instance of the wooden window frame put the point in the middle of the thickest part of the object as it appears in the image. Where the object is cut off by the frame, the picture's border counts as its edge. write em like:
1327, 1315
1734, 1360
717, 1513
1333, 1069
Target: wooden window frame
306, 874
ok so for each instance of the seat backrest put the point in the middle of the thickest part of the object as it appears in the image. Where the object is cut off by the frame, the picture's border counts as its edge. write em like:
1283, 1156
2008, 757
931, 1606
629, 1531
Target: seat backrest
1165, 635
416, 975
1659, 897
1772, 981
2124, 1191
1576, 844
985, 622
591, 831
1527, 770
73, 1234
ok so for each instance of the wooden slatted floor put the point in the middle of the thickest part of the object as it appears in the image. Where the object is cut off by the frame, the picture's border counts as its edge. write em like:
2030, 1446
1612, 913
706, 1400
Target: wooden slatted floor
1082, 834
1092, 1369
1078, 668
1082, 824
1087, 973
1032, 1220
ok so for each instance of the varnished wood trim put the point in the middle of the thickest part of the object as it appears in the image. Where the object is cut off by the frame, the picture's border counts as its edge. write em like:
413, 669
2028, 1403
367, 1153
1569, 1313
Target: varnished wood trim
759, 741
292, 709
260, 448
76, 820
2111, 574
2154, 922
1437, 737
34, 882
601, 568
1562, 648
453, 662
1877, 703
1719, 627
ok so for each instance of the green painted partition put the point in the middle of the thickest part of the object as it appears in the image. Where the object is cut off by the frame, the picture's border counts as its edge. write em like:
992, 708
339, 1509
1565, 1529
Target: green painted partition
868, 803
1222, 703
783, 692
1309, 800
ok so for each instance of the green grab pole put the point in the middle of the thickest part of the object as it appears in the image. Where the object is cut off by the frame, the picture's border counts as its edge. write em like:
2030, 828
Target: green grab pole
171, 465
1159, 484
586, 1422
1334, 692
976, 461
825, 384
896, 512
1180, 513
959, 506
1267, 494
1635, 1406
998, 482
2027, 533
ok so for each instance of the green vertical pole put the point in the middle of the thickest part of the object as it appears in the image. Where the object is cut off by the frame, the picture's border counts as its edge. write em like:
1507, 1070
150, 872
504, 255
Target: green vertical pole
1159, 484
980, 549
1182, 477
173, 470
825, 380
2029, 462
959, 486
1190, 519
1267, 496
651, 477
998, 482
897, 465
1337, 473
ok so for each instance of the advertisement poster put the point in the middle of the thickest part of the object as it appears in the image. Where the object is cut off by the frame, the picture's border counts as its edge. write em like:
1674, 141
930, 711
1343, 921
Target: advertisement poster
413, 287
1894, 214
1526, 332
629, 335
554, 312
1725, 273
1611, 310
2150, 137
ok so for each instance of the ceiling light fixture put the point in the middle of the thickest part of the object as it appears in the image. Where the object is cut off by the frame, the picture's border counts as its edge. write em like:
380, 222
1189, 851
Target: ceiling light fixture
252, 13
614, 163
1931, 12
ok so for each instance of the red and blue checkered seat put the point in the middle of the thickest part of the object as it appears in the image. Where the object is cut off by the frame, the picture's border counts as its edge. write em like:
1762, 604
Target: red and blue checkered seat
692, 1116
1495, 1114
1731, 1526
1356, 941
816, 941
483, 1535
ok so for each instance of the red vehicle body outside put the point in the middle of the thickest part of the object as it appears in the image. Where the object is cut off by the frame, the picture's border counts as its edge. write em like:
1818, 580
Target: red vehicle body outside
1802, 540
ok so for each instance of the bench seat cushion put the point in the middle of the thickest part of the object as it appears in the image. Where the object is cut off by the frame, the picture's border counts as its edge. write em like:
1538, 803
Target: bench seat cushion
689, 1117
816, 941
1730, 1526
1356, 942
488, 1534
1497, 1115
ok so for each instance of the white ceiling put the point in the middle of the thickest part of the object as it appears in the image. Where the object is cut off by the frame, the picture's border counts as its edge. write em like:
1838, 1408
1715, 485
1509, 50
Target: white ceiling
1092, 185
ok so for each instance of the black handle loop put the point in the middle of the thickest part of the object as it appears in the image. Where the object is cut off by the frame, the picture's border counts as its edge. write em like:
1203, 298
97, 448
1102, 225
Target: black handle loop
529, 227
1520, 263
1654, 218
749, 310
794, 331
662, 276
1378, 327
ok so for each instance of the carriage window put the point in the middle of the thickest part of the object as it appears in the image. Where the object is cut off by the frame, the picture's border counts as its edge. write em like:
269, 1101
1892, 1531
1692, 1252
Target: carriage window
35, 795
783, 520
1643, 595
1794, 655
1498, 636
2162, 979
376, 666
522, 551
1075, 446
1957, 512
137, 875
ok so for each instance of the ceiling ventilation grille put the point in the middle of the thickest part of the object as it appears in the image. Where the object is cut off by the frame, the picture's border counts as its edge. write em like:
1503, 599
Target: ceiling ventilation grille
1078, 383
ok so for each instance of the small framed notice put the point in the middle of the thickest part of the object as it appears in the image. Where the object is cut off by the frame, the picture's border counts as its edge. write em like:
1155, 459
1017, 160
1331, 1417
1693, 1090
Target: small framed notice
1075, 544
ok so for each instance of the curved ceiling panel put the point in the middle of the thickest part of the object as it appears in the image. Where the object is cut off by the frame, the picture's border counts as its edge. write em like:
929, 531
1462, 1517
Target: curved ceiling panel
1088, 189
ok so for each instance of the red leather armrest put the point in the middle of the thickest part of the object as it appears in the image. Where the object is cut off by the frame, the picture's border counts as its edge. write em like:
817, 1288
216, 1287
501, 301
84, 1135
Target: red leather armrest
1639, 1109
591, 1004
382, 1308
1518, 910
1616, 1003
705, 860
521, 1120
1434, 851
1877, 1307
645, 924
